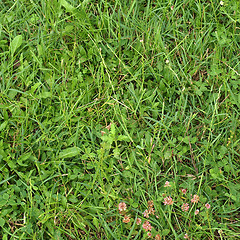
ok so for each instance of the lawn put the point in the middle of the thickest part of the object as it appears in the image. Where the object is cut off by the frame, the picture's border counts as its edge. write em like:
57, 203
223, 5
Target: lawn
119, 119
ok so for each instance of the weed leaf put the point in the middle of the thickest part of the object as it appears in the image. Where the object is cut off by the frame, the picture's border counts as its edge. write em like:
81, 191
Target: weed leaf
69, 152
2, 222
15, 44
68, 6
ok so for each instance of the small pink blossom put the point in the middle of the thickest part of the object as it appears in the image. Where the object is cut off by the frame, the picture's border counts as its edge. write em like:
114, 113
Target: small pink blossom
195, 199
147, 226
146, 213
126, 219
158, 237
168, 201
185, 207
122, 206
172, 7
151, 210
186, 236
167, 184
149, 234
196, 212
139, 220
184, 191
207, 205
150, 204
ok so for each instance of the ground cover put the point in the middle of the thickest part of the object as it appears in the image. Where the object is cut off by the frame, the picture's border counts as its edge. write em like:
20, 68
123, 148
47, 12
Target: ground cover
119, 119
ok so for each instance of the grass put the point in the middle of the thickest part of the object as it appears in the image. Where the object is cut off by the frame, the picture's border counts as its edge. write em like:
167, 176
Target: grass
102, 102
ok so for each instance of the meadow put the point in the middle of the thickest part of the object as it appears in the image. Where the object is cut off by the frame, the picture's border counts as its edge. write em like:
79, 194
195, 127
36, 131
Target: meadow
119, 119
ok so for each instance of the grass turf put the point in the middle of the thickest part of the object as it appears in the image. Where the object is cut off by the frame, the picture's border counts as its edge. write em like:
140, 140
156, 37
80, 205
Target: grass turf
102, 102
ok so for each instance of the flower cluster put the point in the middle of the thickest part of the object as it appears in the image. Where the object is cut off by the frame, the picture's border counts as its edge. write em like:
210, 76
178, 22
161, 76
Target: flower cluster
195, 199
139, 220
185, 206
122, 207
196, 212
168, 201
146, 225
184, 191
207, 205
126, 219
167, 184
186, 236
150, 210
148, 213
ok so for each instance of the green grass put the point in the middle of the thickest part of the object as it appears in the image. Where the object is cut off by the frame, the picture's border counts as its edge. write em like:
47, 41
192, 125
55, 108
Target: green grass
102, 102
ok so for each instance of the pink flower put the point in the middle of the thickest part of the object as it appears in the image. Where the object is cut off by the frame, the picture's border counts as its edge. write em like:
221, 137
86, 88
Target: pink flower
122, 206
186, 236
195, 199
139, 220
185, 207
167, 184
184, 191
196, 212
147, 226
149, 234
126, 219
172, 7
150, 204
168, 201
146, 214
158, 237
207, 205
151, 210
